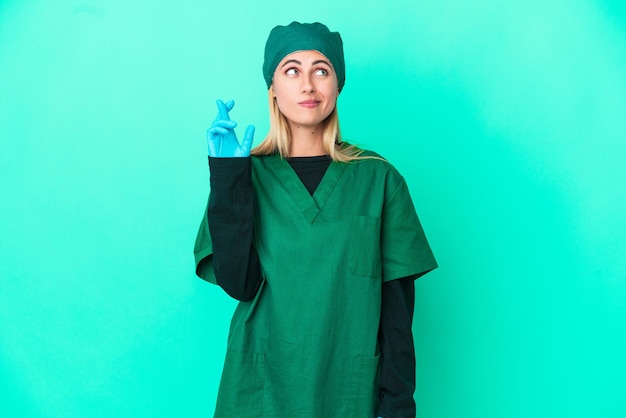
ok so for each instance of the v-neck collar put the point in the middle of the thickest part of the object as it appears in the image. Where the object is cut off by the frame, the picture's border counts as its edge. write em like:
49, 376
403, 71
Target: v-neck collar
310, 205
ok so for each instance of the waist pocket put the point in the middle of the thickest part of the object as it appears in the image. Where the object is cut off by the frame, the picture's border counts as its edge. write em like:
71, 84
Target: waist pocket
365, 380
364, 259
241, 387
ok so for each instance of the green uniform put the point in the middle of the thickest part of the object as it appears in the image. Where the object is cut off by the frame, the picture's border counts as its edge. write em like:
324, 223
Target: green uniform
306, 345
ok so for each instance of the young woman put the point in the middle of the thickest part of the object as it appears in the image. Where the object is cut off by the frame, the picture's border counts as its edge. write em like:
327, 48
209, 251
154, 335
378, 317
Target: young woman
320, 242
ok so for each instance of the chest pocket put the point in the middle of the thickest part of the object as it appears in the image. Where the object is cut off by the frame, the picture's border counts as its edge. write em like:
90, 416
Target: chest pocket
365, 256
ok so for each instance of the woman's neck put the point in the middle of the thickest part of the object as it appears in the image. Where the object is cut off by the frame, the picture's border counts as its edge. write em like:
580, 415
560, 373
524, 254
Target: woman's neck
306, 141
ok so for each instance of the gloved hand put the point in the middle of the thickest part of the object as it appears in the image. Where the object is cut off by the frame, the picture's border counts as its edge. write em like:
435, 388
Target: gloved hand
221, 138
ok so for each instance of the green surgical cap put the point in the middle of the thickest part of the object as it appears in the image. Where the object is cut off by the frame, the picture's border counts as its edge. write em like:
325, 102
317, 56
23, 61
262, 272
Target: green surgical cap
284, 40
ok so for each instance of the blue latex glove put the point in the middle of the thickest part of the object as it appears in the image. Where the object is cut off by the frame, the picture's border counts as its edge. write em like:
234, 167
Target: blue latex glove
221, 138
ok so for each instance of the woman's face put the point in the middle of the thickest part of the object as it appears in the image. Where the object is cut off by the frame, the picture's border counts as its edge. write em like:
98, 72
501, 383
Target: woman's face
305, 88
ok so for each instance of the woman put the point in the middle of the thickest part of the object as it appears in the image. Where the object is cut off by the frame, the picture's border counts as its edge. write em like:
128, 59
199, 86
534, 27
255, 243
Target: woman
320, 242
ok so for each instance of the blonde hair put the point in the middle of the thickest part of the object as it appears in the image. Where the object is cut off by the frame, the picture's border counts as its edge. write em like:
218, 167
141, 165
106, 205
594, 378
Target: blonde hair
278, 138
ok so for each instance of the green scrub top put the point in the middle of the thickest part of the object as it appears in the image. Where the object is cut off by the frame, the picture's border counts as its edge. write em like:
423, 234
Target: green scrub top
306, 345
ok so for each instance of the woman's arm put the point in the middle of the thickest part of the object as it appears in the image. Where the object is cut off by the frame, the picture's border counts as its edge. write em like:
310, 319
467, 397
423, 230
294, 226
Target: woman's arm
397, 379
230, 215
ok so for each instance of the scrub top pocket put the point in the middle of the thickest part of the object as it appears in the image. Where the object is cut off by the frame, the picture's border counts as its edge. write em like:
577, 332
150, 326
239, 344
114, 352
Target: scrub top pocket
365, 378
365, 256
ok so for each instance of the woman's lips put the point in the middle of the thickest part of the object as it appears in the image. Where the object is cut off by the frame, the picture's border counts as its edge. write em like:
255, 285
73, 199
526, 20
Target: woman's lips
309, 103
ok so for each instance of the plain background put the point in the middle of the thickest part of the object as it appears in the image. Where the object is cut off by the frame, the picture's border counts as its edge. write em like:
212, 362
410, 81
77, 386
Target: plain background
508, 120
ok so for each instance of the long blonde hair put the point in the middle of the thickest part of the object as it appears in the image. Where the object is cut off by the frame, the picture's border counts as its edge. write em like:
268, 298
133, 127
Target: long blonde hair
278, 138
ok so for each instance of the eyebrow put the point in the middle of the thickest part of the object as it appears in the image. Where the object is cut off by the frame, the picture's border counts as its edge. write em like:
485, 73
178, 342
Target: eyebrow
322, 62
300, 63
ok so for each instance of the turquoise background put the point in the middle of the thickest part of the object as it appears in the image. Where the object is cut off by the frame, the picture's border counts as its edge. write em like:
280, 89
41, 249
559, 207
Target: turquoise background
508, 120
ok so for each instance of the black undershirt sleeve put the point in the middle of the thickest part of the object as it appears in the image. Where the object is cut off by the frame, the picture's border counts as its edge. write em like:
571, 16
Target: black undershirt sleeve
238, 272
397, 362
231, 223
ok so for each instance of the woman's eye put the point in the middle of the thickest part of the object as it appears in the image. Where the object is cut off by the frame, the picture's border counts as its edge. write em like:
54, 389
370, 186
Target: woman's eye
321, 71
291, 71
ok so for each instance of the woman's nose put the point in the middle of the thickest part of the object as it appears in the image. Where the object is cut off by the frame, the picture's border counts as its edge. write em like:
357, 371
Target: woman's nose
307, 85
